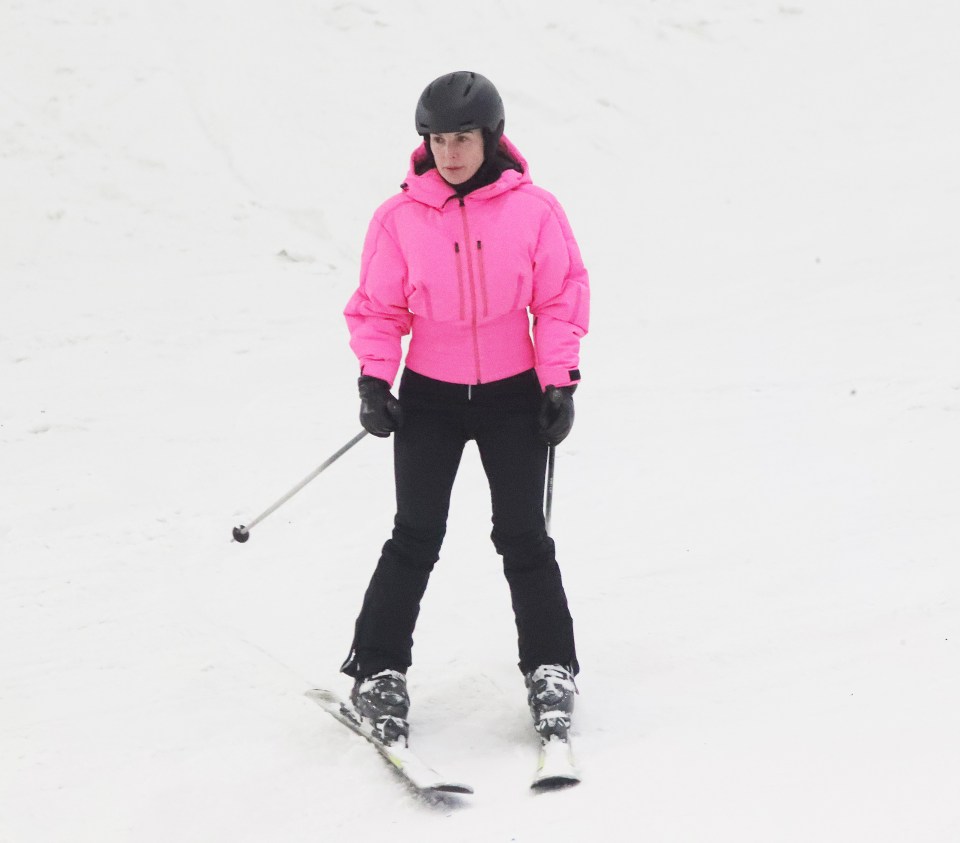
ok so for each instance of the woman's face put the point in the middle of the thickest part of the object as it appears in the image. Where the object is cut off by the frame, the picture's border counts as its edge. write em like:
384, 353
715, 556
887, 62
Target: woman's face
458, 154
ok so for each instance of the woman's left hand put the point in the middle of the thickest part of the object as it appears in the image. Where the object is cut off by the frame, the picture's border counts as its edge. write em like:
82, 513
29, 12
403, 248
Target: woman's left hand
556, 414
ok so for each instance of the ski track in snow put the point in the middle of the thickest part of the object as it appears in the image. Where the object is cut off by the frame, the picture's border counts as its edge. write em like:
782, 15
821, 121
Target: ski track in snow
756, 513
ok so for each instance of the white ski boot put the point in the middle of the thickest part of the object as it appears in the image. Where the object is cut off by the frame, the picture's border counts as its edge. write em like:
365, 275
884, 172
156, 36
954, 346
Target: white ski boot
382, 700
550, 693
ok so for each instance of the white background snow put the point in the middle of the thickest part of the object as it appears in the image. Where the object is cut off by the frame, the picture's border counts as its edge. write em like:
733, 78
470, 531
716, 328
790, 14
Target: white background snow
757, 514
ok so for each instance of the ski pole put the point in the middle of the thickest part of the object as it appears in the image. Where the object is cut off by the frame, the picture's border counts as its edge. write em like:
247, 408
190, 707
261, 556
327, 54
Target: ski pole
242, 533
551, 461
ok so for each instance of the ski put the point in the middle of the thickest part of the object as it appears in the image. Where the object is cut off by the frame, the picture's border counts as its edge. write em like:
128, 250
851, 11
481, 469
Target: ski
402, 759
556, 767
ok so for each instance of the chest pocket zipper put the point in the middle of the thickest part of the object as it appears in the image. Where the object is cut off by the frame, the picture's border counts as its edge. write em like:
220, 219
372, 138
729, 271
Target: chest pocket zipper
483, 279
460, 282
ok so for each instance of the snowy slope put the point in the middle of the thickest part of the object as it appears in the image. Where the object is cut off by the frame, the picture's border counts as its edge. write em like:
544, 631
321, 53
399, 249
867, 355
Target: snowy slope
757, 513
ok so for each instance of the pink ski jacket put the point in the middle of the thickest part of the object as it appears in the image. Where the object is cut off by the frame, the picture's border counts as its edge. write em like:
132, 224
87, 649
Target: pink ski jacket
463, 276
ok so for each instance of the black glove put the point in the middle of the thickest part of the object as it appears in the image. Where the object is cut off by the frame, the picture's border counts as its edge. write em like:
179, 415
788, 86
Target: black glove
556, 413
379, 411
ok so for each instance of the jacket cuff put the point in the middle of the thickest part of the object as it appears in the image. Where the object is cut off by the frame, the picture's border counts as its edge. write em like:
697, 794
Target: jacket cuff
380, 369
557, 376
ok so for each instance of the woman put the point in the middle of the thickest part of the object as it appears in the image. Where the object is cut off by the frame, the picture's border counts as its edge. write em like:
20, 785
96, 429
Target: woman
461, 259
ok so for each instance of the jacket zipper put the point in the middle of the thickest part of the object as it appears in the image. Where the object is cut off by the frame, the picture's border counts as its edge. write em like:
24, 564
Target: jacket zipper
473, 290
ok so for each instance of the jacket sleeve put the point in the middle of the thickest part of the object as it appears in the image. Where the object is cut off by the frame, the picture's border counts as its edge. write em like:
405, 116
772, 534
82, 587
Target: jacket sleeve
561, 301
377, 314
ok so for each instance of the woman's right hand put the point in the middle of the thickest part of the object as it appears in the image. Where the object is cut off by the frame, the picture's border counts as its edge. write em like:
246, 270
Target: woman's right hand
380, 412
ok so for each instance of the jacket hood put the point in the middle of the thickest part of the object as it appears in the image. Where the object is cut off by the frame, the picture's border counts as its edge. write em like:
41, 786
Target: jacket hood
430, 188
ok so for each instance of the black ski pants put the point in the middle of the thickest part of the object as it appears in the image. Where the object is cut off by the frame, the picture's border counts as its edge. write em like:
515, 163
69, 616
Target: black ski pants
438, 420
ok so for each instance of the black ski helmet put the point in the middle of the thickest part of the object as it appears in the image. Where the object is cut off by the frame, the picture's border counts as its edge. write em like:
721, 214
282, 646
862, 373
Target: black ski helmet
458, 102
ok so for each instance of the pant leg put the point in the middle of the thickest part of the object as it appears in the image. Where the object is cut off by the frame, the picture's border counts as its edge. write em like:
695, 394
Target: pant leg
515, 461
427, 452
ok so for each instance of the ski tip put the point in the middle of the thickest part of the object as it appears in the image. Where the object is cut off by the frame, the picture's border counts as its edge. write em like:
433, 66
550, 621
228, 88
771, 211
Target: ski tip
555, 783
451, 787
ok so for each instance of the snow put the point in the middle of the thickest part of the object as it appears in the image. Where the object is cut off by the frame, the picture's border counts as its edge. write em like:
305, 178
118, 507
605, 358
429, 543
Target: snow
756, 514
